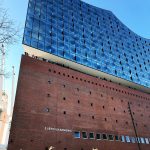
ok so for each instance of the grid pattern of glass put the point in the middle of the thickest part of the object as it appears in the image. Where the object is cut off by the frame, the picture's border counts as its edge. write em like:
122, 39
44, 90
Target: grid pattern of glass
88, 35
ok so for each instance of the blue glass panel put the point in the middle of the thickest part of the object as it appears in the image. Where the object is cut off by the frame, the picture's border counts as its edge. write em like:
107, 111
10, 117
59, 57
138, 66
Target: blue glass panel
34, 43
76, 134
28, 32
41, 45
35, 35
26, 40
41, 37
88, 35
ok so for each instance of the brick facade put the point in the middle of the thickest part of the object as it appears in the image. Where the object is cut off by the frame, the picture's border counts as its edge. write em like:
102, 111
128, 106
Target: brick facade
53, 96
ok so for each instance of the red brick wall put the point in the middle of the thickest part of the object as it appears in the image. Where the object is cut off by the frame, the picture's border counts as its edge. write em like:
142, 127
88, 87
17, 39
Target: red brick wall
109, 108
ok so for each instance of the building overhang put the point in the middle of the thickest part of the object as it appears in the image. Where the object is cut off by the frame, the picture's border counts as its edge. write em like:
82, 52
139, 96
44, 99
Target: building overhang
76, 66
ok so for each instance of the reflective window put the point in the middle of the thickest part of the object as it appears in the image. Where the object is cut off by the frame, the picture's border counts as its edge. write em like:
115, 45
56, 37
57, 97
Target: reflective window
142, 140
138, 140
127, 139
76, 134
122, 138
92, 37
146, 141
133, 140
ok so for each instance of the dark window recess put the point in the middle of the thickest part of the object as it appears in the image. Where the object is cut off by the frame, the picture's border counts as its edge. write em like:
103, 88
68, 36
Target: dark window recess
11, 141
92, 117
64, 98
91, 135
78, 102
79, 115
49, 82
98, 136
91, 104
47, 110
116, 137
48, 95
46, 148
104, 136
84, 135
111, 137
64, 112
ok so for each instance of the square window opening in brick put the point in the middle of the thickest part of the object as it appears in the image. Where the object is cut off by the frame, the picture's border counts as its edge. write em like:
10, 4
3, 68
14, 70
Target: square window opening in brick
77, 134
98, 136
110, 137
117, 138
104, 136
91, 135
84, 135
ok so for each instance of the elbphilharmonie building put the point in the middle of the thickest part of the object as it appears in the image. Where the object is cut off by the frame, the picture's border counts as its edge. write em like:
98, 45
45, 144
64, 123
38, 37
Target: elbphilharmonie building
84, 81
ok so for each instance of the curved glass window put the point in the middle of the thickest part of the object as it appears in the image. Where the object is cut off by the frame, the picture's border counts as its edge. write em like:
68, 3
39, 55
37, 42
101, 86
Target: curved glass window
89, 36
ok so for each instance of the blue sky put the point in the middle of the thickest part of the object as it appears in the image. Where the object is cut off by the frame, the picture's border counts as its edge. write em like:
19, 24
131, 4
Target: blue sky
135, 14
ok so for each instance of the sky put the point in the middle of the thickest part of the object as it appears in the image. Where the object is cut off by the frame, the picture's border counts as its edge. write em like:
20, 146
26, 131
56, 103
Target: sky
135, 14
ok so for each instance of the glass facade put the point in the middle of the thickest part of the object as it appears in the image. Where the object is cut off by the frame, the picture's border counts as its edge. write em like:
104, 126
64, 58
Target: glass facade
88, 35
